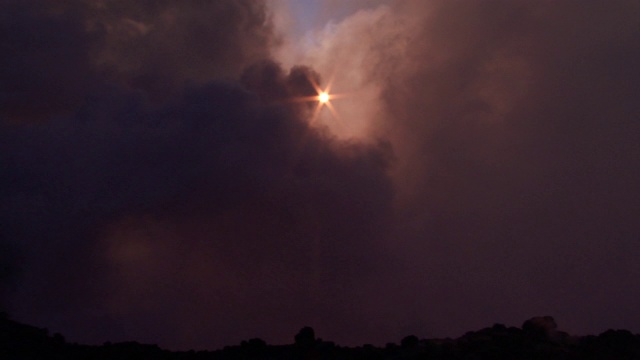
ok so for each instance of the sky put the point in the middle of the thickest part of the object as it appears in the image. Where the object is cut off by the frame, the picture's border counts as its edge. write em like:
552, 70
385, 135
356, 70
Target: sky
162, 181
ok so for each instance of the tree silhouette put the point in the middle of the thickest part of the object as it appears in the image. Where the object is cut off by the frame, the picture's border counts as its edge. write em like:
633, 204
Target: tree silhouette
305, 338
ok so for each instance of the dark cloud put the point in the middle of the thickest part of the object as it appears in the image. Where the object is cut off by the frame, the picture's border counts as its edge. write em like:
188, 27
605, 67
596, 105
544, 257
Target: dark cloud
215, 215
56, 52
216, 206
45, 66
157, 45
515, 123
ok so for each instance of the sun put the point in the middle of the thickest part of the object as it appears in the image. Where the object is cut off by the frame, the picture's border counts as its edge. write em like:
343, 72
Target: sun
323, 97
323, 100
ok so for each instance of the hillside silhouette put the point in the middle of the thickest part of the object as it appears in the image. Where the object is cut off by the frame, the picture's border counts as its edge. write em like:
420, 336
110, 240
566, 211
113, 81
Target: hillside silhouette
538, 338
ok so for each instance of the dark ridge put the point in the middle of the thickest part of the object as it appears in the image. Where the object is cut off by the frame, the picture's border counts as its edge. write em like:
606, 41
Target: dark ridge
538, 338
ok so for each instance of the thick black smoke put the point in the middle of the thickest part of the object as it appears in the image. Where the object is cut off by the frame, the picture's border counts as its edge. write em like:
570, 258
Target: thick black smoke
158, 183
193, 217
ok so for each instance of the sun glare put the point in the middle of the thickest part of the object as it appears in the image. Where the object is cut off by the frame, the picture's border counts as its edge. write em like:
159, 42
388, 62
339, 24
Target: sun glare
323, 99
